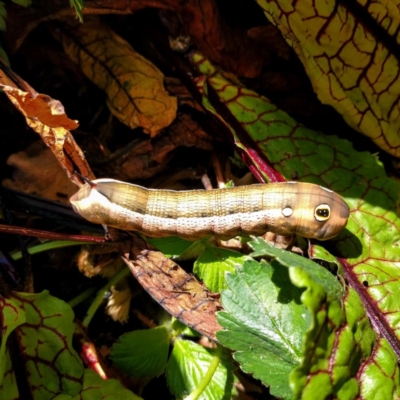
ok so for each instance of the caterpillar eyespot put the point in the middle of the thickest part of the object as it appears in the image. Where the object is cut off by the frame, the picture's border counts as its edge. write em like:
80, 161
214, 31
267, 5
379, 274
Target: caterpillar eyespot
285, 208
322, 212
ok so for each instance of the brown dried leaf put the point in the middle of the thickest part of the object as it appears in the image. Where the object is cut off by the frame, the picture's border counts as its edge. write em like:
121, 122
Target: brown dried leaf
38, 172
180, 293
47, 117
99, 260
229, 47
134, 86
185, 98
146, 158
118, 303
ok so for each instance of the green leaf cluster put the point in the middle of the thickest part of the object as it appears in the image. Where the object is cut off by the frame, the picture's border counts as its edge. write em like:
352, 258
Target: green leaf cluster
43, 328
292, 325
189, 368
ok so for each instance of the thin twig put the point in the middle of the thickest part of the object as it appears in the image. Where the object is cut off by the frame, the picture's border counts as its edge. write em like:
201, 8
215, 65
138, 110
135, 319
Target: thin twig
17, 230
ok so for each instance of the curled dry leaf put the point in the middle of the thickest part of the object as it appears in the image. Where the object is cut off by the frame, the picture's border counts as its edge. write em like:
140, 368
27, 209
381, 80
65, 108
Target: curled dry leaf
119, 303
99, 260
47, 117
134, 86
180, 293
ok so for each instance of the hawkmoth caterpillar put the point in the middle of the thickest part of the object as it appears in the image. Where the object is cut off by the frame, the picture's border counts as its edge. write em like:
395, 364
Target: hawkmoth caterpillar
306, 209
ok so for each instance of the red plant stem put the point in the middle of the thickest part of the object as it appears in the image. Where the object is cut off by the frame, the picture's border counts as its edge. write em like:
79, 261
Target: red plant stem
17, 230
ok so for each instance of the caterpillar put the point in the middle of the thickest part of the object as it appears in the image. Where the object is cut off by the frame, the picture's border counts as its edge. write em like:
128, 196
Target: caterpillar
305, 209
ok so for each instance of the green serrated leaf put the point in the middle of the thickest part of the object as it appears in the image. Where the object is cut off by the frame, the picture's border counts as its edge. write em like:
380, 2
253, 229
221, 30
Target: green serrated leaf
319, 274
214, 263
189, 363
264, 323
142, 353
